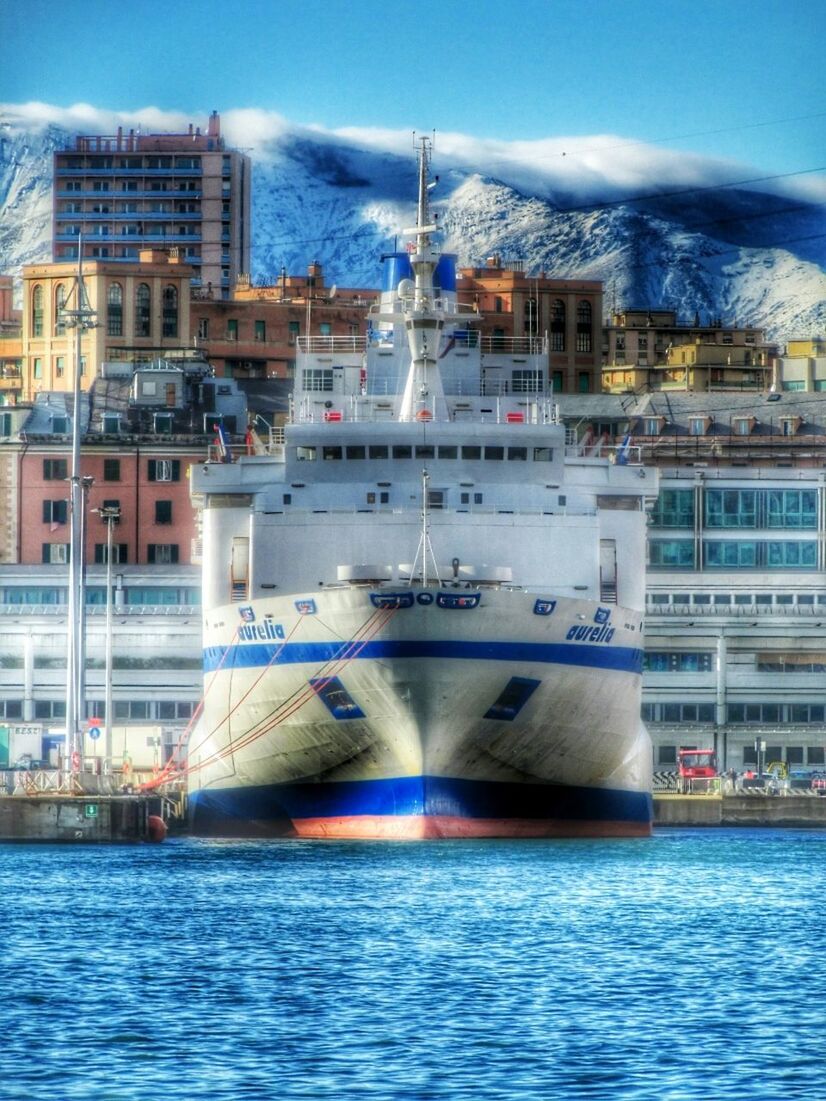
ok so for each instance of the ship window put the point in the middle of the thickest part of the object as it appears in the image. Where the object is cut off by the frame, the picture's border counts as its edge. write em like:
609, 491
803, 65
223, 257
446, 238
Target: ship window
331, 453
305, 454
518, 453
403, 452
425, 451
448, 451
378, 451
371, 498
336, 698
464, 498
471, 452
384, 498
355, 451
495, 453
543, 454
317, 379
477, 498
287, 498
512, 698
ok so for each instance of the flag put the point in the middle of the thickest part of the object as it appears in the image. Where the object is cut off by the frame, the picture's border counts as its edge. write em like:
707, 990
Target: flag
222, 443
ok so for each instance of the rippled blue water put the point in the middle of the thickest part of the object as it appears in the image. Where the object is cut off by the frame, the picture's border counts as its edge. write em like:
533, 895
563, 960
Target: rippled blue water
685, 966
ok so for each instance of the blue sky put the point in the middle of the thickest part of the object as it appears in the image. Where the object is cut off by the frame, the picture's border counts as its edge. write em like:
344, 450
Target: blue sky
733, 79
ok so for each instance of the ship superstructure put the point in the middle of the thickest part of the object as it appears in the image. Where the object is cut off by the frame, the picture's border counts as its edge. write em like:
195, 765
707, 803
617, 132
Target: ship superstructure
422, 603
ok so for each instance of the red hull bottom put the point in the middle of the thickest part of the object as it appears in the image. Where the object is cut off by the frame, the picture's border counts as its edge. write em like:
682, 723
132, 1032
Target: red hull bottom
392, 827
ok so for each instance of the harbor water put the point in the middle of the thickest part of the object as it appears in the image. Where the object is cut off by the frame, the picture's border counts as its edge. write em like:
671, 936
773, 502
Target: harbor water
685, 966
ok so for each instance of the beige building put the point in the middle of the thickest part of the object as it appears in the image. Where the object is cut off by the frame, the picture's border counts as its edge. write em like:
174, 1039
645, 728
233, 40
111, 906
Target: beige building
803, 367
651, 350
142, 312
130, 191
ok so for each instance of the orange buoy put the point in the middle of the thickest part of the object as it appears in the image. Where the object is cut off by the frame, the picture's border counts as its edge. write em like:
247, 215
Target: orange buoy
157, 828
424, 415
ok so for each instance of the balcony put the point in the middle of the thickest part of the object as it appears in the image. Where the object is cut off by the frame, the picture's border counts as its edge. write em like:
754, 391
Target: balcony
108, 173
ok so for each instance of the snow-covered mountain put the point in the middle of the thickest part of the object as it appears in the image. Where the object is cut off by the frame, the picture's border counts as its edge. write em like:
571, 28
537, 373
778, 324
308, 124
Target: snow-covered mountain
660, 230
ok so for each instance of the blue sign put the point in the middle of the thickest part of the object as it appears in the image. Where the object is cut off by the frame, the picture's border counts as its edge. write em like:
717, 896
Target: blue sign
94, 733
247, 613
305, 607
602, 615
544, 607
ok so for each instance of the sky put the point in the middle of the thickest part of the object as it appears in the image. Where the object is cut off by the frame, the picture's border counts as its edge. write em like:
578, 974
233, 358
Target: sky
737, 80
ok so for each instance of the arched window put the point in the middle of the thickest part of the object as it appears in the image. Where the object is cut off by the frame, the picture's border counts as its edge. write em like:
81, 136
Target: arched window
59, 303
558, 325
143, 310
114, 310
583, 326
170, 311
37, 311
531, 320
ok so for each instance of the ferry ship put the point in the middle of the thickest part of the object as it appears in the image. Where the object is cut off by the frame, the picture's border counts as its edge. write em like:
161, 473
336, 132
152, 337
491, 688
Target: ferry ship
423, 604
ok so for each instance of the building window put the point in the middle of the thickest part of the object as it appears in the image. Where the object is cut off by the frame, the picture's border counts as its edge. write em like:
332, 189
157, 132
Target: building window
294, 330
583, 328
119, 554
203, 328
55, 553
260, 331
59, 303
232, 328
163, 512
531, 319
674, 509
557, 382
37, 367
60, 366
731, 508
55, 512
143, 310
111, 470
671, 553
164, 470
657, 661
170, 311
37, 311
162, 554
558, 327
55, 470
325, 328
791, 508
114, 310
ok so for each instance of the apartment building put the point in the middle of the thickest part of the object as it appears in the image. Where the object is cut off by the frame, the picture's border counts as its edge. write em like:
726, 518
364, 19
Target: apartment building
132, 190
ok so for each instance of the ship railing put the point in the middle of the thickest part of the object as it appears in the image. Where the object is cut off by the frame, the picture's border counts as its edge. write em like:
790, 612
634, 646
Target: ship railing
490, 509
507, 405
514, 345
319, 345
620, 454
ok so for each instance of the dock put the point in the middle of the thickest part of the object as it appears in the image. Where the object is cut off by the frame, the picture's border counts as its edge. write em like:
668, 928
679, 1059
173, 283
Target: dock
43, 806
792, 810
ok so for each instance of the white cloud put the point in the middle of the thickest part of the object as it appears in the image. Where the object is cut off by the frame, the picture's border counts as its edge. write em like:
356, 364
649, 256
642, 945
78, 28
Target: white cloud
602, 165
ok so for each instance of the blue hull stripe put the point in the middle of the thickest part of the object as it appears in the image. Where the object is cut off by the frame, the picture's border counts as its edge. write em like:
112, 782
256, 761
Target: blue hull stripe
416, 795
252, 655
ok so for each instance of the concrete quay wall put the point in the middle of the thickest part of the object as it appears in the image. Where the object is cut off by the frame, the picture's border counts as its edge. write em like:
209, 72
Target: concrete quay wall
740, 810
71, 818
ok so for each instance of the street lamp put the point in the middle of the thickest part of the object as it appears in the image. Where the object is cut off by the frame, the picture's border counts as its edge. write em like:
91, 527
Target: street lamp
110, 515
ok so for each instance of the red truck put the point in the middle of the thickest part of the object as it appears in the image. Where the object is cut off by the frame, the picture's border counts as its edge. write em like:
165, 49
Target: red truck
695, 764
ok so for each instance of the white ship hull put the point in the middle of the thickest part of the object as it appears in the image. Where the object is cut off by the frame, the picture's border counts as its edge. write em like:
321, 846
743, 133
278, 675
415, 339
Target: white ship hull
419, 712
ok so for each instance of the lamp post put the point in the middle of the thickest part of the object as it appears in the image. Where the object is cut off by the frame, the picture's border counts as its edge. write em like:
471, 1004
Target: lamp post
81, 318
110, 515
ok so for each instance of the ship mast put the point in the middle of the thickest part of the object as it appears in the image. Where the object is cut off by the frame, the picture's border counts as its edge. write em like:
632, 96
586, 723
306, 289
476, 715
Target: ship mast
424, 317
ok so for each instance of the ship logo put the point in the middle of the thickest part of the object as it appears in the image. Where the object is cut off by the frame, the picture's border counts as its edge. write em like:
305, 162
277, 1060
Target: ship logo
247, 613
544, 607
305, 607
602, 615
